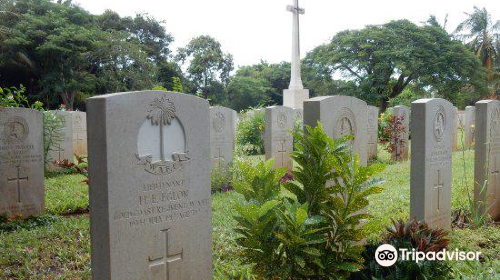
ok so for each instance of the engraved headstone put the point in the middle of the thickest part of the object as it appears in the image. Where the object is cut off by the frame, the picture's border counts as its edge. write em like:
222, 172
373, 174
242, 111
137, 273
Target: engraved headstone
21, 162
278, 139
402, 139
149, 165
222, 135
469, 126
430, 187
340, 116
372, 130
64, 148
487, 157
79, 133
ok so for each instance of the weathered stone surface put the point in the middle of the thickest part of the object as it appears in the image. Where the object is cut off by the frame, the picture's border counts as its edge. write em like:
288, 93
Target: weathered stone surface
222, 135
372, 137
21, 162
401, 151
340, 116
150, 202
278, 139
79, 133
469, 126
431, 158
487, 157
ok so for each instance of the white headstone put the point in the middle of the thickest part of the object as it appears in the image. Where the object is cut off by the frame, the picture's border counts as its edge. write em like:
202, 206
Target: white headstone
278, 139
340, 116
79, 133
149, 167
487, 157
222, 135
21, 162
431, 158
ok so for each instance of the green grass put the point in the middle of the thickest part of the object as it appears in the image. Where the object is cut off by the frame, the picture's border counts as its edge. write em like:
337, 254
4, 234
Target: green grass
58, 246
66, 194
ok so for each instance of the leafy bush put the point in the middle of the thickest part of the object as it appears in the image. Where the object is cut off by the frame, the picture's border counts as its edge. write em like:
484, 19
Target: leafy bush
410, 235
80, 166
307, 224
298, 126
249, 134
221, 178
393, 129
14, 97
53, 124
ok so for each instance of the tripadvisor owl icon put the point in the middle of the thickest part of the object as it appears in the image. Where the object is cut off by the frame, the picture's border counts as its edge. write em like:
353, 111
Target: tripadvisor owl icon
386, 255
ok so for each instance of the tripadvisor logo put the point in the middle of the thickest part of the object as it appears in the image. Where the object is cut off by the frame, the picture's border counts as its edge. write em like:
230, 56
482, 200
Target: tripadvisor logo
386, 255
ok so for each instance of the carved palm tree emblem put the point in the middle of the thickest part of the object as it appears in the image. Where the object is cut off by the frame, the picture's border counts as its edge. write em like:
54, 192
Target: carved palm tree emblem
161, 112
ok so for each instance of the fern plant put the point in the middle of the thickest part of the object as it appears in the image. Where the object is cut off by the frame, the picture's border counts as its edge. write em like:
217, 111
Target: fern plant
307, 224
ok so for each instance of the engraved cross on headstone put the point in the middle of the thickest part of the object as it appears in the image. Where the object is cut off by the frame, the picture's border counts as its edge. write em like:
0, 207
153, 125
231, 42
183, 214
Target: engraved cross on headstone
18, 179
282, 151
166, 259
219, 158
438, 186
79, 139
59, 150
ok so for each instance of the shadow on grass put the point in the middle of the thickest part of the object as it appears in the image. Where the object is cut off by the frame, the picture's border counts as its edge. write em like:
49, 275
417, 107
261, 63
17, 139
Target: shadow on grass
9, 225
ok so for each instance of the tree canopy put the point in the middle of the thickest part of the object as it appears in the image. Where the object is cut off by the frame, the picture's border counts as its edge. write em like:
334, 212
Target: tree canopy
63, 53
383, 60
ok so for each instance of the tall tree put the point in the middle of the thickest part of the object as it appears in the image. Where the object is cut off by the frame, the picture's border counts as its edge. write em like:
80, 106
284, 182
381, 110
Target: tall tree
62, 53
206, 63
382, 60
481, 34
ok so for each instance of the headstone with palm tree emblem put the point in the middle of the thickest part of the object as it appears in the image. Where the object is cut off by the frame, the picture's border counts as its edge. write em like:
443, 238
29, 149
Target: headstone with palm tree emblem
149, 168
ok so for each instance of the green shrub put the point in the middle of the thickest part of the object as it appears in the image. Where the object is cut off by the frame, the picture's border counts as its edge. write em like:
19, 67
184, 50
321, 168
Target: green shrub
221, 178
307, 224
298, 126
410, 235
249, 134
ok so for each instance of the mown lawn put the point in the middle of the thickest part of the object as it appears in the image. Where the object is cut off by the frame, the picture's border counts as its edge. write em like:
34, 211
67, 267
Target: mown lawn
57, 245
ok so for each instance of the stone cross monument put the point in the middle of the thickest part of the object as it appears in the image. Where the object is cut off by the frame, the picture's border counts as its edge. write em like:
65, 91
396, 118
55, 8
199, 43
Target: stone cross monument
295, 95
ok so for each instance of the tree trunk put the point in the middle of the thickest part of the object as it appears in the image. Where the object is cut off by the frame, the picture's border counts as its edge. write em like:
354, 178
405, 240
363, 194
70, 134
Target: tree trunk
383, 104
68, 99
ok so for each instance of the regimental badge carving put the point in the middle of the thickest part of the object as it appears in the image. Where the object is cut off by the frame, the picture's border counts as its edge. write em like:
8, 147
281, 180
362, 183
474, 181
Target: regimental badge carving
281, 119
15, 130
439, 124
77, 124
161, 113
346, 123
219, 122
